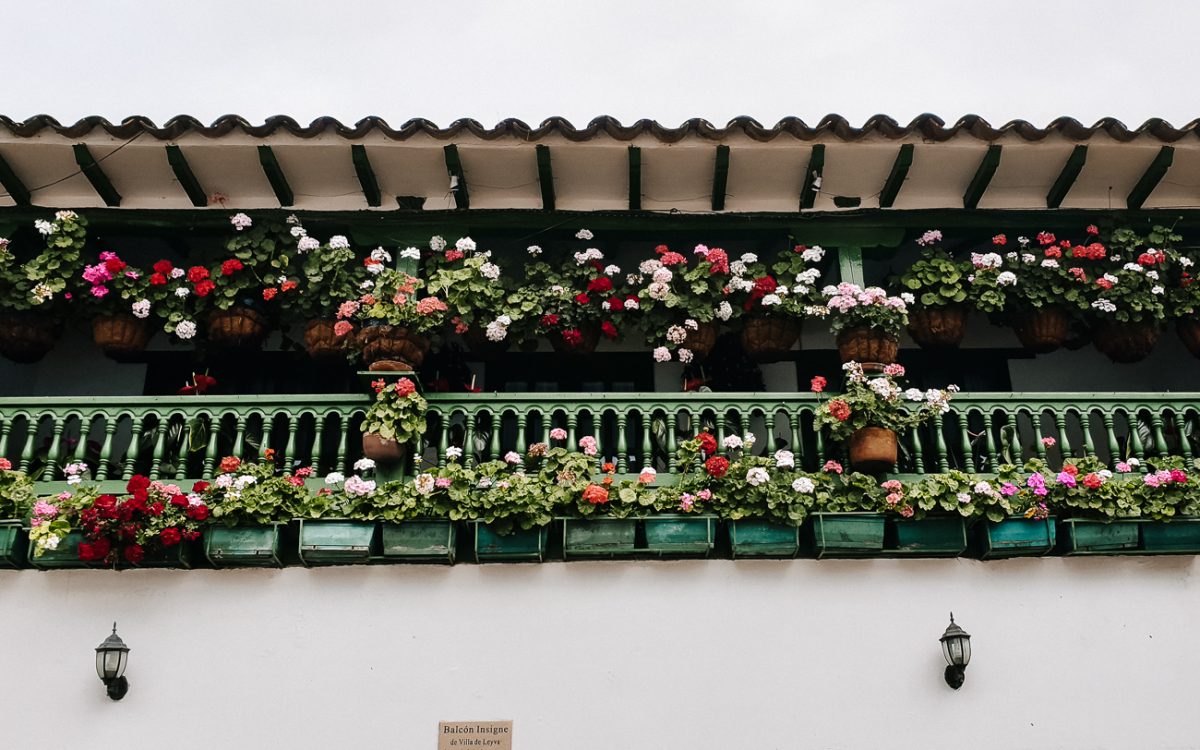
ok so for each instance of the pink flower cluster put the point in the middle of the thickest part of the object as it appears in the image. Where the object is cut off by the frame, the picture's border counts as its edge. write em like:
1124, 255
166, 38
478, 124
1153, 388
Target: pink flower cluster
588, 445
848, 296
1163, 478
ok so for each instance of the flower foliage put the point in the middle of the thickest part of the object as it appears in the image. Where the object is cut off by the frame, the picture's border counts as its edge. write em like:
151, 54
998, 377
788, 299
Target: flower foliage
878, 401
43, 282
398, 412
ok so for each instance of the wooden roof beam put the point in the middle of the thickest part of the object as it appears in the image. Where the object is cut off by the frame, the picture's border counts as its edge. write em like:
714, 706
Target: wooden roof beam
1067, 177
366, 175
95, 175
545, 177
812, 177
895, 180
275, 176
187, 178
1150, 178
635, 178
983, 177
458, 178
13, 184
720, 178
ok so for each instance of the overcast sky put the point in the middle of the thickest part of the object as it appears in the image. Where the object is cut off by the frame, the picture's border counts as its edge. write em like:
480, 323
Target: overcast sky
664, 60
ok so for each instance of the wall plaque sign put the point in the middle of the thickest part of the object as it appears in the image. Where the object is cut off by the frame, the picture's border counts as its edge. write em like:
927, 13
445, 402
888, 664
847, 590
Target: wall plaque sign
474, 735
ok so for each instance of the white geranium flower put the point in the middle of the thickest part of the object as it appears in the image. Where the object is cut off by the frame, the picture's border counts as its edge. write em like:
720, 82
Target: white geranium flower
298, 232
465, 244
757, 476
724, 310
182, 291
534, 250
732, 442
307, 244
437, 243
685, 355
454, 453
749, 258
490, 270
240, 221
1006, 278
185, 329
785, 459
584, 234
141, 308
803, 485
383, 256
364, 464
334, 477
662, 354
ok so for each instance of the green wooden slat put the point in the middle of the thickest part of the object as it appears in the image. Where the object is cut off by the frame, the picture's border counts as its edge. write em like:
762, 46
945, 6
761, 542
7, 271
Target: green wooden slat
720, 178
462, 198
545, 177
850, 263
366, 175
275, 176
895, 180
635, 178
983, 177
816, 167
13, 184
95, 175
1066, 178
1153, 175
187, 178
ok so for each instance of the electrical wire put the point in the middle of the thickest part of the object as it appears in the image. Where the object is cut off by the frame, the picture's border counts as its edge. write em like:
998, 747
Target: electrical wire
79, 171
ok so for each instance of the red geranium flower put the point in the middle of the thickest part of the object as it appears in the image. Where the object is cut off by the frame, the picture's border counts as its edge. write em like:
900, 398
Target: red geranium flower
615, 304
572, 337
818, 384
137, 482
602, 284
157, 279
1071, 469
582, 298
673, 259
999, 240
549, 319
718, 261
204, 287
609, 330
230, 266
839, 409
169, 537
708, 443
156, 509
269, 293
288, 286
198, 512
114, 266
453, 255
1092, 481
595, 494
230, 464
1093, 229
197, 273
716, 466
163, 267
1053, 252
179, 501
134, 553
199, 487
662, 249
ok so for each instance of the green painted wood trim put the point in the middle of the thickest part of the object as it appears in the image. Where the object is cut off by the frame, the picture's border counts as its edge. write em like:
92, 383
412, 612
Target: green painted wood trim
895, 180
1066, 178
545, 177
187, 178
812, 173
835, 236
720, 178
462, 197
983, 177
95, 175
1150, 179
274, 173
13, 184
366, 175
850, 264
635, 178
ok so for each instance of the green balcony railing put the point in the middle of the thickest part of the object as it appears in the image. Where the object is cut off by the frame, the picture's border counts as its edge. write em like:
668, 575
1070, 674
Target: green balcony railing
184, 437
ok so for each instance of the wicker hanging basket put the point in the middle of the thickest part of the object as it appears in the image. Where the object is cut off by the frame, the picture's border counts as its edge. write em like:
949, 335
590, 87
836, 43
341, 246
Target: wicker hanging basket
26, 337
383, 451
1126, 342
121, 334
321, 342
873, 450
395, 343
701, 341
938, 328
867, 345
239, 327
1189, 333
769, 338
1043, 331
590, 340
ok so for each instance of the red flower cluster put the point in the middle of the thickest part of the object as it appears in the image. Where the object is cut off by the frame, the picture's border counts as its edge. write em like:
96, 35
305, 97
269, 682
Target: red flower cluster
819, 383
549, 319
600, 284
708, 443
1094, 251
572, 337
839, 409
609, 330
717, 466
405, 387
230, 266
718, 261
1150, 258
763, 286
153, 514
1046, 238
1053, 252
673, 259
595, 494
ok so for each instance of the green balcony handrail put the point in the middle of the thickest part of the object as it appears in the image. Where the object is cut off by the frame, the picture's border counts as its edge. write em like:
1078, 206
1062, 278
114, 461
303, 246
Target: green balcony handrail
184, 437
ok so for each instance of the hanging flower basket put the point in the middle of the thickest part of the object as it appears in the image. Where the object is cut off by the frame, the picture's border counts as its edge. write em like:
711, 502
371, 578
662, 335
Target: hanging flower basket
1126, 342
566, 343
938, 327
873, 450
867, 345
1189, 333
767, 338
1079, 337
701, 341
121, 334
481, 346
1043, 331
395, 343
26, 337
321, 342
382, 450
239, 326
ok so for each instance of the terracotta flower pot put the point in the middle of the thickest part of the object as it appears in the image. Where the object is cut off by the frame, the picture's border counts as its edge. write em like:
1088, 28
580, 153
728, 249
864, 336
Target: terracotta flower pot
873, 450
1189, 333
938, 327
121, 334
239, 326
588, 343
701, 341
26, 336
395, 343
867, 345
321, 342
480, 345
383, 451
1126, 342
1043, 331
769, 337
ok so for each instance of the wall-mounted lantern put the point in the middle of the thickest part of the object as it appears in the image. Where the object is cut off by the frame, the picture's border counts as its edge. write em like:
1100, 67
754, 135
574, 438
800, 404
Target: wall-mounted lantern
111, 657
956, 647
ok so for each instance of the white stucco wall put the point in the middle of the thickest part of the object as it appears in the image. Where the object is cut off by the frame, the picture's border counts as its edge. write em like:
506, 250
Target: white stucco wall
1069, 653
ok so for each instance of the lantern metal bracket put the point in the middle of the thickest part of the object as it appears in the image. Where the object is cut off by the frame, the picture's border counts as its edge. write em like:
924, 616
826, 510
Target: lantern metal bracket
117, 688
955, 676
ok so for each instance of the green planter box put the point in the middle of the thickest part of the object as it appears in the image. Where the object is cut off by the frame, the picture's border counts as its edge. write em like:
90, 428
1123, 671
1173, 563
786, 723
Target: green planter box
1179, 536
419, 540
1084, 537
845, 534
750, 538
599, 537
1014, 537
176, 556
244, 546
66, 556
937, 536
680, 536
14, 545
337, 542
519, 545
